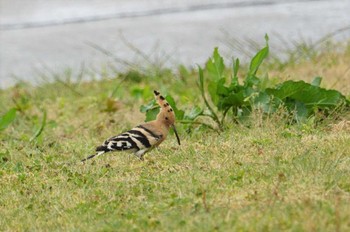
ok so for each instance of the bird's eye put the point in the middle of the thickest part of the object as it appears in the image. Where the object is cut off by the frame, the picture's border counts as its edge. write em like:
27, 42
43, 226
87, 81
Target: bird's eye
166, 118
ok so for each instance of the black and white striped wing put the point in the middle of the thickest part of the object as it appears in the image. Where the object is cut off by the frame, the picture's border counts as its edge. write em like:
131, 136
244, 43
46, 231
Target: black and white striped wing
138, 138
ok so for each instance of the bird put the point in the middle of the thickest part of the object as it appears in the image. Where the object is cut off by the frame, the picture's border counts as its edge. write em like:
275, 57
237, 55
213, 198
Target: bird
143, 137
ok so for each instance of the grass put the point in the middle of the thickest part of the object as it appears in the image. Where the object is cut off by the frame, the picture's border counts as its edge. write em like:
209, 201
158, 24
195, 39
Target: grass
264, 175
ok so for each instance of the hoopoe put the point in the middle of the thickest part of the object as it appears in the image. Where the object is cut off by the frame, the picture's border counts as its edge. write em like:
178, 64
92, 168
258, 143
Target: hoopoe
144, 137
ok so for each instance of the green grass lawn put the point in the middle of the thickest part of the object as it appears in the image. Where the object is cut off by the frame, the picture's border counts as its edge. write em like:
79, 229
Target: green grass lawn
261, 175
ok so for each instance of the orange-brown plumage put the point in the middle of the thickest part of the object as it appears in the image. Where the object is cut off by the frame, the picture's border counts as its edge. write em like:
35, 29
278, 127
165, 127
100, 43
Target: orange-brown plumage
144, 137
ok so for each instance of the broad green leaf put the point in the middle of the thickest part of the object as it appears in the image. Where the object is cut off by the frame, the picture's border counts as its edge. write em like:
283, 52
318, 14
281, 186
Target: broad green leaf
311, 96
171, 101
233, 100
302, 112
258, 59
148, 106
151, 114
217, 90
212, 89
178, 113
262, 101
286, 89
235, 87
7, 118
221, 89
251, 81
322, 98
316, 81
248, 92
215, 65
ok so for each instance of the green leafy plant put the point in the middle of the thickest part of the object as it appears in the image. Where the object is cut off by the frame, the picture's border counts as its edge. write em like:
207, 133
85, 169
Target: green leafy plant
304, 98
233, 95
223, 96
7, 119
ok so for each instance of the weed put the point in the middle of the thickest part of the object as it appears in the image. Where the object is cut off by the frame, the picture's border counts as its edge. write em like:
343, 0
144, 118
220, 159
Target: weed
302, 100
7, 118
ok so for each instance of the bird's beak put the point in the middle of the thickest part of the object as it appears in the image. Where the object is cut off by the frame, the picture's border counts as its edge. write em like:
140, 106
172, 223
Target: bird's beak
177, 136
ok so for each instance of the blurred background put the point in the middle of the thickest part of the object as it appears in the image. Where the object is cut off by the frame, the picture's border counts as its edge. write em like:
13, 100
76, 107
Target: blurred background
40, 38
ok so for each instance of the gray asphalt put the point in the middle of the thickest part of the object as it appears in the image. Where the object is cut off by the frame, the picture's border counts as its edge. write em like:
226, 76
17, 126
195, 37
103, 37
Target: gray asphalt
38, 35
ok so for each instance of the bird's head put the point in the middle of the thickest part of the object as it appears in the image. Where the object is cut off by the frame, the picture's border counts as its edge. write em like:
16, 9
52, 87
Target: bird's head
166, 114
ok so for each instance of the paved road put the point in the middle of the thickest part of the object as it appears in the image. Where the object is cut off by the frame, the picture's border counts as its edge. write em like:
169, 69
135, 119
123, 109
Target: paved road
58, 34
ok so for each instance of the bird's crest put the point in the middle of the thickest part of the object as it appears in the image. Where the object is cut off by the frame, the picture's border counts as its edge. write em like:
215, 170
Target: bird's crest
166, 113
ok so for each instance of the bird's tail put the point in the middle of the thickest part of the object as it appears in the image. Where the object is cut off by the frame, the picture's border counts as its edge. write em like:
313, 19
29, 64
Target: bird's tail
93, 156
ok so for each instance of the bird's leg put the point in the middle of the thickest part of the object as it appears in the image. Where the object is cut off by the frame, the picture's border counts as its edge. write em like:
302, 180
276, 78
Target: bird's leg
140, 154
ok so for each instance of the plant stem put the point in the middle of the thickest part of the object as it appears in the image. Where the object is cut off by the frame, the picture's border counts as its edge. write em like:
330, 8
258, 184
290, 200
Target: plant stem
214, 116
224, 115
